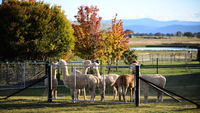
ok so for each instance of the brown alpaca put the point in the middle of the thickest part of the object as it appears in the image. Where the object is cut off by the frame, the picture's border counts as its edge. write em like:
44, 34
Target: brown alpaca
123, 83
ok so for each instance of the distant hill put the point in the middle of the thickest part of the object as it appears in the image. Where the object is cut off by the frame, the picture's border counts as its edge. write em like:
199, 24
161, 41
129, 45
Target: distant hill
147, 25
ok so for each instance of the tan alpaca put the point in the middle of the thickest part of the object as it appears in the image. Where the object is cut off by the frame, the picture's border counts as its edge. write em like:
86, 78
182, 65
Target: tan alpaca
84, 81
124, 83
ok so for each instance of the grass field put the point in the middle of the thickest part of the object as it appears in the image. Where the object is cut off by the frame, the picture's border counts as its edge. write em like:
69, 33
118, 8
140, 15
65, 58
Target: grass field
179, 80
40, 105
173, 41
182, 78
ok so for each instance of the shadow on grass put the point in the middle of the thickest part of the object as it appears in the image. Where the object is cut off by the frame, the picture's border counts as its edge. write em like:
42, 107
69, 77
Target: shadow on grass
34, 103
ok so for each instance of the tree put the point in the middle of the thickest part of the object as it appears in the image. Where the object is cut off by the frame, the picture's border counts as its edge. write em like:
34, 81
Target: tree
188, 34
129, 56
34, 31
94, 43
87, 33
115, 41
179, 34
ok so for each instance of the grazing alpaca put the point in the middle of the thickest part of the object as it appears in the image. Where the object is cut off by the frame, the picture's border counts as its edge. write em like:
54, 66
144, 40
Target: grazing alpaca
86, 64
109, 81
54, 81
81, 82
156, 79
123, 83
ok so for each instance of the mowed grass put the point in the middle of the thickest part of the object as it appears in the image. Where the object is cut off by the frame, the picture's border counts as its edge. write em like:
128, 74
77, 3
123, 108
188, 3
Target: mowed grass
174, 68
28, 104
182, 78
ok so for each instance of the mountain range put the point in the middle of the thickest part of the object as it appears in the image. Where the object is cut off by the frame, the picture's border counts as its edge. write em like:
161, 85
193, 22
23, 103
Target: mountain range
148, 25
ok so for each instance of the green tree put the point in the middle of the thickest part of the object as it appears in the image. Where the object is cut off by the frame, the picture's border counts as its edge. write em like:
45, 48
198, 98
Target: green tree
34, 31
188, 34
129, 56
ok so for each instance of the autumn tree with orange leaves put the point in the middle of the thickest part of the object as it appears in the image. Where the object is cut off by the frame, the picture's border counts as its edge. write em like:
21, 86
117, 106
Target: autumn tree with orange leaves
94, 43
115, 41
87, 33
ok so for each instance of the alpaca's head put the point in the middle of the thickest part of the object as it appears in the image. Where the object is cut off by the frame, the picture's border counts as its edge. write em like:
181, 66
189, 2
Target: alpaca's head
95, 65
54, 65
87, 63
62, 62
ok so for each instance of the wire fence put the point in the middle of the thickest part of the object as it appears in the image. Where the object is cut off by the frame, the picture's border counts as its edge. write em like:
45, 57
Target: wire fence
166, 57
20, 75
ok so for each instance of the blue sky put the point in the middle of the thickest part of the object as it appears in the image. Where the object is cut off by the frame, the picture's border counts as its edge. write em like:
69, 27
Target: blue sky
188, 10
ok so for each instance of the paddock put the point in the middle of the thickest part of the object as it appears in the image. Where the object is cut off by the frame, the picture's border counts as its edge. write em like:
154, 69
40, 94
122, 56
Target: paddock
40, 70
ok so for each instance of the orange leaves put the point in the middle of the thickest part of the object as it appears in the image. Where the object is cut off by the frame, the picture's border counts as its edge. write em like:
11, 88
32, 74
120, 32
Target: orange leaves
94, 43
87, 32
119, 43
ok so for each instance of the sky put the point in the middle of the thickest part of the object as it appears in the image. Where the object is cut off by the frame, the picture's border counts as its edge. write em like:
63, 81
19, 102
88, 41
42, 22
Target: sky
187, 10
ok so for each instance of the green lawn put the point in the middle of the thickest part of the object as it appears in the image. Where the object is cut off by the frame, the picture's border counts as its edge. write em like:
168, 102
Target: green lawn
40, 105
182, 78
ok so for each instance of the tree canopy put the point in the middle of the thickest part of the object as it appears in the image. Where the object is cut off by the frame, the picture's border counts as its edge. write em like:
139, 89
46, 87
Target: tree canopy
87, 32
34, 31
94, 43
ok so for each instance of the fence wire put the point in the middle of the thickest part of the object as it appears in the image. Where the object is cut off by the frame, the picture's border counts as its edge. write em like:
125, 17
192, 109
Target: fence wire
19, 75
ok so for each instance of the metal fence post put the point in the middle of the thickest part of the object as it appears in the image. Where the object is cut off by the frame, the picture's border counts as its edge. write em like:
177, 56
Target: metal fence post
48, 73
137, 87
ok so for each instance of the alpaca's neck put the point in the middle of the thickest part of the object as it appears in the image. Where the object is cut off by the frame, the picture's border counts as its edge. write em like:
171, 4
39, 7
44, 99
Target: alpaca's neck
97, 72
85, 70
65, 71
54, 73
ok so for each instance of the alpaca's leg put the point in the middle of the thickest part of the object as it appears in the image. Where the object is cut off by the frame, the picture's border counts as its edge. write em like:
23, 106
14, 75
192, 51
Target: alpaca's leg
55, 93
119, 92
115, 92
124, 94
146, 93
119, 96
78, 93
131, 95
92, 93
159, 97
72, 94
84, 93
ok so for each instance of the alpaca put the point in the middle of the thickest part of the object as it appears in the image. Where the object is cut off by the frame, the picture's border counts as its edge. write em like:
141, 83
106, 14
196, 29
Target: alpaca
122, 84
86, 64
54, 81
81, 82
157, 79
105, 81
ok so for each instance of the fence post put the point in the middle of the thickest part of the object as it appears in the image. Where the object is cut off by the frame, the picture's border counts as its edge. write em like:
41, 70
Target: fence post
48, 73
137, 87
157, 65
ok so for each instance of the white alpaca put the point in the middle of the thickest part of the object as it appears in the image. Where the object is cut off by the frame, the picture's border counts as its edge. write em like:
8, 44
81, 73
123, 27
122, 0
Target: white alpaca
78, 82
86, 64
109, 81
54, 81
157, 79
